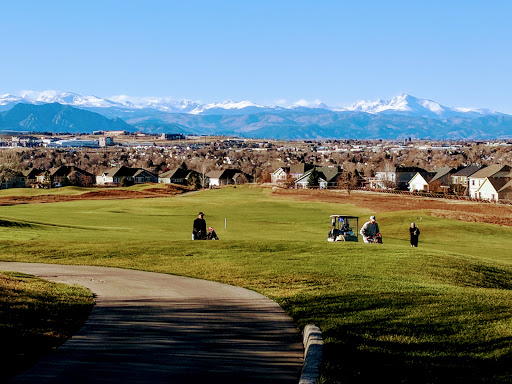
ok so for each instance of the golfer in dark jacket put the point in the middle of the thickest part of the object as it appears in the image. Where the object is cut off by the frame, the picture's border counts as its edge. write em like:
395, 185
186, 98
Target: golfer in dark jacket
199, 229
414, 231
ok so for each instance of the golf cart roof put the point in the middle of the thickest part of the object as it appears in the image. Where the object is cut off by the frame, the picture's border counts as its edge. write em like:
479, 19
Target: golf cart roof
346, 216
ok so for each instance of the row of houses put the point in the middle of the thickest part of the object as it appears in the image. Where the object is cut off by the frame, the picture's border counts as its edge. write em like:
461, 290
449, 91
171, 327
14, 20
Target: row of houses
493, 182
176, 176
72, 175
299, 176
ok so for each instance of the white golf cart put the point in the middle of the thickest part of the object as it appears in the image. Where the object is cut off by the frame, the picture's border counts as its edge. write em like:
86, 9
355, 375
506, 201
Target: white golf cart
343, 228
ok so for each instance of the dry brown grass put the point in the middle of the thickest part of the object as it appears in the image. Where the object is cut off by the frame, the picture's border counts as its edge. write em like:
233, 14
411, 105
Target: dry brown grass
382, 202
100, 194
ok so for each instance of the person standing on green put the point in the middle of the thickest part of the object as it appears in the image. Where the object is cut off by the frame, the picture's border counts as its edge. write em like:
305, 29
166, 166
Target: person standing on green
414, 231
199, 229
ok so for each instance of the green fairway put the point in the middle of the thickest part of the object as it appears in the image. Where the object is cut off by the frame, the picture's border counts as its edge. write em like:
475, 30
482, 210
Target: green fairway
438, 313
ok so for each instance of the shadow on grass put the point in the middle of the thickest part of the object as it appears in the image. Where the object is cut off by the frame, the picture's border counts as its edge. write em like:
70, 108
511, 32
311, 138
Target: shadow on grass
8, 223
409, 337
35, 319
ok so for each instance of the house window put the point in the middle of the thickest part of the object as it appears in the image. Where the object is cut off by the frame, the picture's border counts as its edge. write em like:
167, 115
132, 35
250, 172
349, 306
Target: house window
473, 182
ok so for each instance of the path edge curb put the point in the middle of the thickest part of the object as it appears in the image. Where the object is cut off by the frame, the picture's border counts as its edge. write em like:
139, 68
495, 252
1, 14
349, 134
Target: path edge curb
313, 345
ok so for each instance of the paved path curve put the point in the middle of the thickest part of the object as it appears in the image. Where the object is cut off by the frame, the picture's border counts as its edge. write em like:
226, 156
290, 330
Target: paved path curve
157, 328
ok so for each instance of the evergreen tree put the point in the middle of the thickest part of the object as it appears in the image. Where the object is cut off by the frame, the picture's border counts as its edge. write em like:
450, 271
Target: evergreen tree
314, 178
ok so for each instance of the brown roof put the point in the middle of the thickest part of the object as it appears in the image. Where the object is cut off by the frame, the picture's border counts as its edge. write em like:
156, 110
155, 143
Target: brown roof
498, 182
439, 173
490, 171
467, 171
178, 173
126, 171
507, 185
301, 168
214, 174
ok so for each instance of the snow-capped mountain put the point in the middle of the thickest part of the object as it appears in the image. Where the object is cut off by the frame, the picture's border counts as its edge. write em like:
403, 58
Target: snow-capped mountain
163, 104
7, 101
405, 105
408, 105
402, 116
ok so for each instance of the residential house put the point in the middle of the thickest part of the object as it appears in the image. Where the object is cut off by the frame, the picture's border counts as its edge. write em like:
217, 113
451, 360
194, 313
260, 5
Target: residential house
114, 176
280, 175
31, 175
383, 180
65, 174
228, 177
327, 177
177, 176
505, 192
12, 179
303, 181
460, 179
478, 178
298, 170
441, 180
420, 181
403, 175
493, 187
142, 176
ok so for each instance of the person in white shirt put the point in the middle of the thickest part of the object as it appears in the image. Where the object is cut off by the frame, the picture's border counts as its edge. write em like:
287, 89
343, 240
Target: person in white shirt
370, 228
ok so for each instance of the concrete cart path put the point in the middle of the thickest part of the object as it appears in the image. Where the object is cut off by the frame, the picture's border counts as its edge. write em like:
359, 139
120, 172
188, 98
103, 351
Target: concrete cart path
157, 328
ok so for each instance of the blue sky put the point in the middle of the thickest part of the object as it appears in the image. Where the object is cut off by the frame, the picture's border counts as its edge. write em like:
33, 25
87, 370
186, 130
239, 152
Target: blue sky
455, 52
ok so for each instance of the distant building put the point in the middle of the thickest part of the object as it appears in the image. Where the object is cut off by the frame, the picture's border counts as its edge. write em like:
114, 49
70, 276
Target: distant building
419, 181
228, 177
25, 141
442, 180
298, 170
460, 179
66, 174
111, 133
114, 176
172, 136
383, 180
31, 175
495, 188
327, 177
73, 143
12, 179
477, 179
280, 175
177, 176
292, 173
105, 141
403, 176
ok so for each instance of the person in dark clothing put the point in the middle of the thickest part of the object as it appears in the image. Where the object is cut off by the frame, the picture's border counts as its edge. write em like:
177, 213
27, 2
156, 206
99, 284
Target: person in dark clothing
211, 235
414, 231
199, 229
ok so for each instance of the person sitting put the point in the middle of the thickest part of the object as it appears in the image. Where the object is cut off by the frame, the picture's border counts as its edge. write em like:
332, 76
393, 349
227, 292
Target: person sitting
346, 229
211, 235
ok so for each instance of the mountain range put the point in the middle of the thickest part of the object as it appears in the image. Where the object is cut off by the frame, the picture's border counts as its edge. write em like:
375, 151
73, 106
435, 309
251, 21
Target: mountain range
403, 116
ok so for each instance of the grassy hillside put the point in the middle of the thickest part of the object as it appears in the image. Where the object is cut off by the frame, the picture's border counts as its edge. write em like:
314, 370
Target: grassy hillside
36, 316
439, 313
